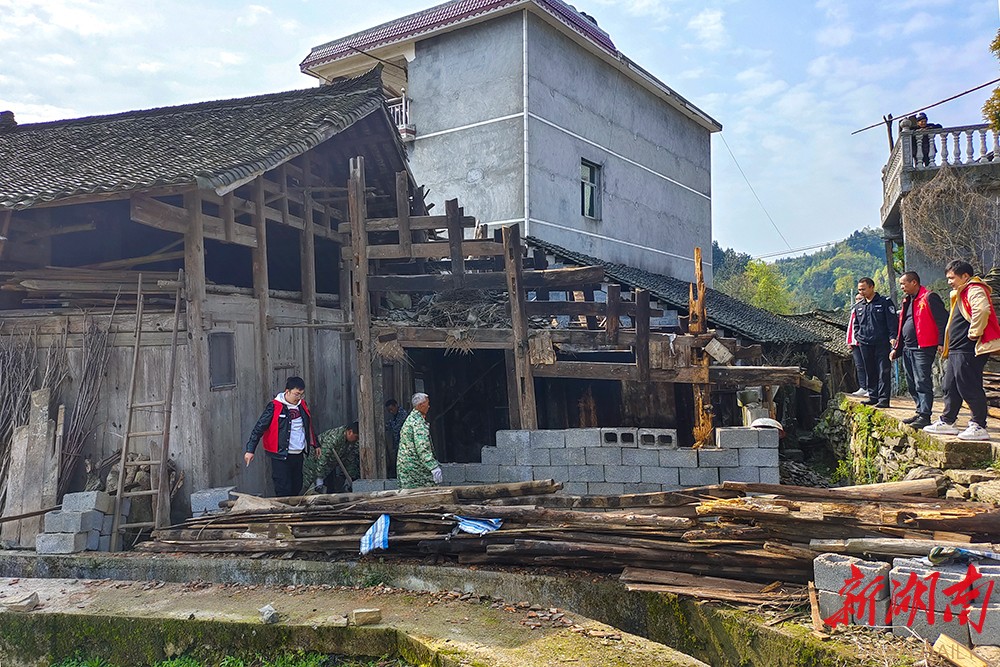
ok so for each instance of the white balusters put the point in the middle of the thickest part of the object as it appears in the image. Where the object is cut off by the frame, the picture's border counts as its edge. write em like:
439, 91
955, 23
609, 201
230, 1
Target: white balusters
970, 152
982, 145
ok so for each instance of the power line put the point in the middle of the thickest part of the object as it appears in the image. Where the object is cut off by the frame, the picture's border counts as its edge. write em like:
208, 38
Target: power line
753, 191
788, 252
929, 106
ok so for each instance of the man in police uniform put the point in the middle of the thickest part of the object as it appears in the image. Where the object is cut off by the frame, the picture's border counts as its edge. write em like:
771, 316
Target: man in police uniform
875, 322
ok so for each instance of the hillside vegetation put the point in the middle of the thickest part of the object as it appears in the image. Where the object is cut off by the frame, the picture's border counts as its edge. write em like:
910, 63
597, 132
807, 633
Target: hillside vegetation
824, 280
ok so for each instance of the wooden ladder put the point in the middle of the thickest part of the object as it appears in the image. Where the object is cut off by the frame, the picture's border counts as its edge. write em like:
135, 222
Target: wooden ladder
158, 474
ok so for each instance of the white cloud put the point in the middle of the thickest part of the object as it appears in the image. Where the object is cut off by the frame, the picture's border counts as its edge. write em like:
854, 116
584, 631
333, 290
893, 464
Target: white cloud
652, 9
229, 58
150, 67
252, 15
835, 36
708, 27
56, 60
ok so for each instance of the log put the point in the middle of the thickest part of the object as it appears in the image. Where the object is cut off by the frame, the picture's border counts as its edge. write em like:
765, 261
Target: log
892, 547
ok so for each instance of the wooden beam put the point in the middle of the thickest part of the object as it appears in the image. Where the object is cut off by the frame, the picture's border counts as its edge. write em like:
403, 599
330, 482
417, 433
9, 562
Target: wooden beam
417, 223
585, 308
550, 278
611, 321
642, 334
307, 263
754, 375
704, 429
600, 370
194, 294
160, 215
435, 250
403, 211
262, 293
524, 382
455, 240
361, 306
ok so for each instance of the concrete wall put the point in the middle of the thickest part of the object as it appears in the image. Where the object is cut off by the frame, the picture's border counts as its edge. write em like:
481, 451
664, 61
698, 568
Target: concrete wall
465, 77
642, 145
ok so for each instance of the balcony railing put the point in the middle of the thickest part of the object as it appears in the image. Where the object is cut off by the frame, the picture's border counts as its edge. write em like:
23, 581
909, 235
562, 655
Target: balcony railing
399, 111
924, 150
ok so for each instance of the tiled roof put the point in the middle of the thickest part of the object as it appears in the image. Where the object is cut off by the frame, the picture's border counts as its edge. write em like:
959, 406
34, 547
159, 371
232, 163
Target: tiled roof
828, 326
444, 15
214, 144
723, 310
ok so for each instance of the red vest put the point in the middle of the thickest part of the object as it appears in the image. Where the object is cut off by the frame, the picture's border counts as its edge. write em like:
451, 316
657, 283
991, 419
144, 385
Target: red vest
270, 438
923, 320
992, 330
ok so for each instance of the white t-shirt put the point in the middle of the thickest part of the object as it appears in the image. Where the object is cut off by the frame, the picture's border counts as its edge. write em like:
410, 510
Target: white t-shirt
297, 436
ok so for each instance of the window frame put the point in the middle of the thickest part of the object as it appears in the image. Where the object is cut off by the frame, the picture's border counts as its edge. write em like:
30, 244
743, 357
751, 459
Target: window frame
591, 183
216, 336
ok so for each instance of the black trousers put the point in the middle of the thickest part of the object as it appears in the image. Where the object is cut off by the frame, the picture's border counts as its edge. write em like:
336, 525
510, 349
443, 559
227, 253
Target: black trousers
287, 475
963, 381
878, 370
859, 366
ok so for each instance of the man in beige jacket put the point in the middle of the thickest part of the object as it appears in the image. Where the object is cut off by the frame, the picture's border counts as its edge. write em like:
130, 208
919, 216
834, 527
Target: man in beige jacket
972, 334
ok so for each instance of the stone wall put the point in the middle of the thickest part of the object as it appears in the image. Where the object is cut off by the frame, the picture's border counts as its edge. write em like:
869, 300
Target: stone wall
612, 461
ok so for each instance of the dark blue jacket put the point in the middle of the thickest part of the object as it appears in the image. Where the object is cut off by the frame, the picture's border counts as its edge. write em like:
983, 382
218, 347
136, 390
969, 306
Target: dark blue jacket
875, 321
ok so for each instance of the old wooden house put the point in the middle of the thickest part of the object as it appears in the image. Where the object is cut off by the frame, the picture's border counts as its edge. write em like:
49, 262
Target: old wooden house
245, 196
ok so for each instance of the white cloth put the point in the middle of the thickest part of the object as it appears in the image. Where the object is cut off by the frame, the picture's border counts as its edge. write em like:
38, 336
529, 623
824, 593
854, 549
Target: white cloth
297, 436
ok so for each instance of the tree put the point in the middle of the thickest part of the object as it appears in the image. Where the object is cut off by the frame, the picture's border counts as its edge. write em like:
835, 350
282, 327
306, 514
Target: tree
761, 285
727, 263
991, 110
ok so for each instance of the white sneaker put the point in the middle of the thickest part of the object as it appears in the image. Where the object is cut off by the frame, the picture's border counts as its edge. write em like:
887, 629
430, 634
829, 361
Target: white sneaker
941, 427
974, 432
860, 393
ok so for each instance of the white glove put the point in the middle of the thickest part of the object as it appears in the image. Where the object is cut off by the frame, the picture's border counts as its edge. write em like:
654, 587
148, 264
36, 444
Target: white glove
319, 482
436, 473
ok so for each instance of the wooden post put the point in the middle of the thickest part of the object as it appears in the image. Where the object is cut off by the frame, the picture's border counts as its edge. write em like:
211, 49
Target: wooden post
261, 291
513, 395
642, 334
524, 383
195, 293
403, 211
228, 217
891, 272
704, 430
611, 324
4, 228
453, 218
370, 450
588, 295
307, 261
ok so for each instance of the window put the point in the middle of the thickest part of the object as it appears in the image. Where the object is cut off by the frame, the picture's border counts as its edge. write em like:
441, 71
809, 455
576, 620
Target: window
590, 189
222, 360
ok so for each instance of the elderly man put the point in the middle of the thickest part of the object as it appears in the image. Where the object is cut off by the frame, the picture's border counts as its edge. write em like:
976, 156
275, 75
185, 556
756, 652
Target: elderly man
922, 318
415, 463
340, 452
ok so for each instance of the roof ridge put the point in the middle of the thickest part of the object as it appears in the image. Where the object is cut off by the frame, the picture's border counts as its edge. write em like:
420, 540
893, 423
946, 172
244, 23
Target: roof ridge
355, 85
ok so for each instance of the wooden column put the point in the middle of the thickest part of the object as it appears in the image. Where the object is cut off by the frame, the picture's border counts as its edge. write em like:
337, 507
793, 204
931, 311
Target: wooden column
704, 432
611, 323
642, 334
307, 254
261, 291
195, 294
513, 395
372, 454
524, 382
403, 211
453, 218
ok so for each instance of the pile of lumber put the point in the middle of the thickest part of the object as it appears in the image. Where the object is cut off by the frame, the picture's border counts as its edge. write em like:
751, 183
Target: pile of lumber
722, 542
84, 287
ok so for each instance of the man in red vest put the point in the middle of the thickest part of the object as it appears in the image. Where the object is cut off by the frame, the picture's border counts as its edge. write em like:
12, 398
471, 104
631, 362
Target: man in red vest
972, 335
287, 429
922, 319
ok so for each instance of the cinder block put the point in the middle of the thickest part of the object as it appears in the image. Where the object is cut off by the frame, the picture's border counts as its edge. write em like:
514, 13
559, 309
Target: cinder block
583, 437
622, 474
660, 475
88, 500
126, 507
921, 626
94, 540
569, 456
658, 438
62, 521
60, 543
593, 473
900, 576
548, 439
738, 437
830, 604
495, 456
105, 543
482, 472
367, 485
513, 446
767, 438
713, 458
989, 634
761, 458
643, 487
392, 485
574, 489
453, 474
539, 457
873, 615
606, 488
513, 438
746, 474
770, 476
604, 456
679, 458
619, 437
698, 476
831, 572
510, 474
640, 457
209, 499
558, 473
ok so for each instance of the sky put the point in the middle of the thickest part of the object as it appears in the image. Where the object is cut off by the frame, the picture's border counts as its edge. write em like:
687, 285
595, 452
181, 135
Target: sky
789, 80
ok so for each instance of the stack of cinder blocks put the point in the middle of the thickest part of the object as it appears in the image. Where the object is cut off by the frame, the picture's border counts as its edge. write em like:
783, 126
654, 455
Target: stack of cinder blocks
207, 501
744, 454
911, 597
373, 485
84, 523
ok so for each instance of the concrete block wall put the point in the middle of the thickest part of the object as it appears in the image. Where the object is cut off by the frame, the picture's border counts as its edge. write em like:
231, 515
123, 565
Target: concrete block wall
910, 597
610, 461
84, 523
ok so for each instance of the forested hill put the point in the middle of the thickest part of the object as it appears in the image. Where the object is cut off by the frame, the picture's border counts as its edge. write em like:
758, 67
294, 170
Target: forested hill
825, 280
